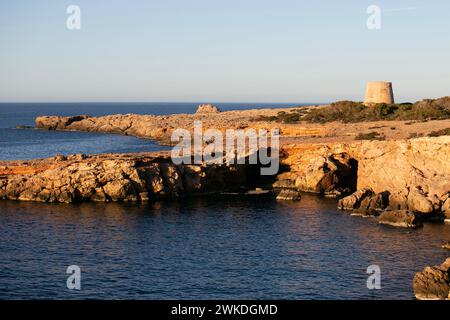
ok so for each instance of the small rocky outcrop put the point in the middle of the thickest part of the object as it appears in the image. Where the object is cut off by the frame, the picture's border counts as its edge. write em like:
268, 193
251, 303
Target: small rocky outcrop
400, 219
24, 127
446, 245
57, 123
208, 108
417, 203
354, 201
288, 195
433, 283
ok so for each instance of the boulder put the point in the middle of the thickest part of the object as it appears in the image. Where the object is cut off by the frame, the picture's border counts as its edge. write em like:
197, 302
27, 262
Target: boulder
354, 200
375, 204
446, 209
446, 245
289, 195
60, 157
207, 108
418, 201
400, 218
433, 283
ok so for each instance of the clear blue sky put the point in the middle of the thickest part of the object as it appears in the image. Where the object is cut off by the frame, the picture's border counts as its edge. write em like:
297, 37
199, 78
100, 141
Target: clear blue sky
215, 50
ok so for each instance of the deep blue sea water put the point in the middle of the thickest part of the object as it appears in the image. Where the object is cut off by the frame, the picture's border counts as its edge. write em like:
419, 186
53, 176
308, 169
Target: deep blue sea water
202, 248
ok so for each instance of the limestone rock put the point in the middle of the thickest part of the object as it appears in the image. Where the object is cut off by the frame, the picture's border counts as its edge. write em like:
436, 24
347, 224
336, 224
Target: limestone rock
120, 190
354, 200
324, 174
55, 123
114, 178
446, 208
433, 283
288, 195
207, 108
399, 218
418, 202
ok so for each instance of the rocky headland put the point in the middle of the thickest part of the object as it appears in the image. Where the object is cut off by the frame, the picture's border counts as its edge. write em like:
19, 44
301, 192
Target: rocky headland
403, 179
410, 178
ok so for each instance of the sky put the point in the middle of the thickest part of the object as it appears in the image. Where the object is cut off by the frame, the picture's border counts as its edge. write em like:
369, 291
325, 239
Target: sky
221, 51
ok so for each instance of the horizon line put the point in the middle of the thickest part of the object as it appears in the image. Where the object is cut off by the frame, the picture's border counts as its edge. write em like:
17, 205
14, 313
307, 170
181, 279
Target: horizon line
199, 102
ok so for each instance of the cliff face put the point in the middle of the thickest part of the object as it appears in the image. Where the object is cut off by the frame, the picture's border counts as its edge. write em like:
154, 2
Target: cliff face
405, 174
412, 174
113, 178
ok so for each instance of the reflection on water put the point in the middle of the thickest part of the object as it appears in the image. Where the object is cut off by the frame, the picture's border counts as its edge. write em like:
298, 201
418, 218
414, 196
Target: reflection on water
208, 248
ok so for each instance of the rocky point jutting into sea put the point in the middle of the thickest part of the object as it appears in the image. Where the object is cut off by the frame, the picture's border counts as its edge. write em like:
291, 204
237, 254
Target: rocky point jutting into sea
402, 181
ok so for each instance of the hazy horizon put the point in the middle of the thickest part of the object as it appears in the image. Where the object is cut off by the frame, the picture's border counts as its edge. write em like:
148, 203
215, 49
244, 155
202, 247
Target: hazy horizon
289, 51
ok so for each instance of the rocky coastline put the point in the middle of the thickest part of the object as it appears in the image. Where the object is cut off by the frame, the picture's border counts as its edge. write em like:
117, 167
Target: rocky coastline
402, 182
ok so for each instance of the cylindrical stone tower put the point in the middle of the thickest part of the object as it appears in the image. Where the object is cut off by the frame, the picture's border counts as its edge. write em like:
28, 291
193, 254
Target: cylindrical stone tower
379, 92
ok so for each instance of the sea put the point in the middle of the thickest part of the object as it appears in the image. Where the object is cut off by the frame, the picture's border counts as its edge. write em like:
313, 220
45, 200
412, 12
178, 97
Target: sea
212, 247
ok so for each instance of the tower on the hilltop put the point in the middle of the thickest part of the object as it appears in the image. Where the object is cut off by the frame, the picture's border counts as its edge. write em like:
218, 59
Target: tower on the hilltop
379, 92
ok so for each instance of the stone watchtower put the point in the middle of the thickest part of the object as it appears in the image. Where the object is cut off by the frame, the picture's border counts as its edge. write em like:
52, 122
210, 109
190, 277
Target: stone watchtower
379, 92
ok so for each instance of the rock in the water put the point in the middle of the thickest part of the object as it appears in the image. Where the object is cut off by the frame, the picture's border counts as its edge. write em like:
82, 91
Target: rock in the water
418, 201
400, 218
354, 200
57, 123
289, 195
433, 283
207, 108
446, 209
375, 204
446, 245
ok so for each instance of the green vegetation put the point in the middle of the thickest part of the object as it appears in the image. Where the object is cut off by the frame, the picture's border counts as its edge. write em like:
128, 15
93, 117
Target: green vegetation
437, 133
285, 117
351, 112
414, 135
370, 136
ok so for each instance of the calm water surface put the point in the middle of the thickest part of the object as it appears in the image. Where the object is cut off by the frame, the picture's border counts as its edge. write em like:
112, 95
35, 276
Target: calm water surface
208, 248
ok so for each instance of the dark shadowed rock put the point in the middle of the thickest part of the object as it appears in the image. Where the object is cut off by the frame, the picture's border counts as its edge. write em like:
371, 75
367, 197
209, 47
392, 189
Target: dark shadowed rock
446, 209
400, 218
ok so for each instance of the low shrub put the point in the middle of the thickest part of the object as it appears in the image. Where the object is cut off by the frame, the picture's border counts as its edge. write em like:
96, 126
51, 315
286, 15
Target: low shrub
350, 111
438, 133
370, 136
